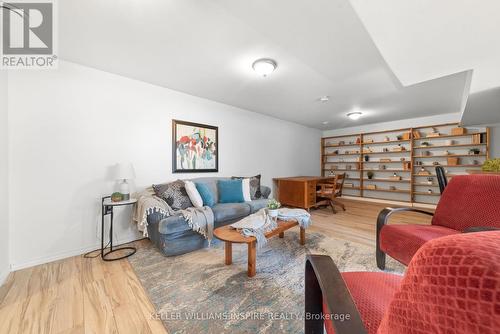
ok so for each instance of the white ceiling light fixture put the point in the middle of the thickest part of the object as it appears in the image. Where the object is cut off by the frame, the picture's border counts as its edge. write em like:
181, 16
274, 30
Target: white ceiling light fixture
325, 122
354, 115
264, 66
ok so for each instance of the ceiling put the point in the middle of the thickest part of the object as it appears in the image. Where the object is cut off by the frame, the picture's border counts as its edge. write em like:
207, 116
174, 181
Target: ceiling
206, 48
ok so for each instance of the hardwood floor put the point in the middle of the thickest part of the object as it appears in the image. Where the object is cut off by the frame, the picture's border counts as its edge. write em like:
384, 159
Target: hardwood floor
79, 295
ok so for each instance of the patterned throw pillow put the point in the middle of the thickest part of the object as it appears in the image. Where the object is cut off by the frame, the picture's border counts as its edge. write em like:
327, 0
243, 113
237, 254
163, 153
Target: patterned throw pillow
254, 186
174, 193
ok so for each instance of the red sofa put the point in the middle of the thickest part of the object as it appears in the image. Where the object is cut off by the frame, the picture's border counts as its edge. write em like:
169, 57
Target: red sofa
452, 285
468, 203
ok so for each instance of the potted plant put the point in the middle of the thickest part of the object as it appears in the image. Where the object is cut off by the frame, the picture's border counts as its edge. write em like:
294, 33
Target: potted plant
491, 165
272, 208
370, 175
425, 143
474, 151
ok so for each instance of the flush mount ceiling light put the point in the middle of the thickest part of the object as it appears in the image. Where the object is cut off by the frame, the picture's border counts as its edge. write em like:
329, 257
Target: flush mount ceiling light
325, 98
354, 115
325, 122
264, 66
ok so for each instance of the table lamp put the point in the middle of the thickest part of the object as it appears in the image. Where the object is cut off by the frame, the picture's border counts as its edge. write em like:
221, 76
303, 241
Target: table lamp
124, 172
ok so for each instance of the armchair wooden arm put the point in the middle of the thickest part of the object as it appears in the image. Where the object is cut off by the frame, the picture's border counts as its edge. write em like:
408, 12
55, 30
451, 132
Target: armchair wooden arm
323, 280
382, 219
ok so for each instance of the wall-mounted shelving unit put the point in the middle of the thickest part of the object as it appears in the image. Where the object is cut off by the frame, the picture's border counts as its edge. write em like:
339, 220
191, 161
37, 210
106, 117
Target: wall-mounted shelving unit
404, 153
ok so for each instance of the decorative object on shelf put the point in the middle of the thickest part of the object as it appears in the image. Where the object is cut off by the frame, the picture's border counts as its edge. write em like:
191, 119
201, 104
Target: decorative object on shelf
341, 142
194, 147
458, 131
446, 152
331, 173
386, 138
426, 153
348, 185
370, 175
491, 165
399, 137
435, 163
423, 171
385, 160
425, 144
116, 197
429, 191
368, 140
418, 163
392, 188
449, 142
367, 158
382, 167
407, 135
402, 159
351, 143
385, 149
371, 186
407, 165
453, 161
416, 134
358, 140
434, 133
430, 180
124, 172
474, 151
395, 177
335, 152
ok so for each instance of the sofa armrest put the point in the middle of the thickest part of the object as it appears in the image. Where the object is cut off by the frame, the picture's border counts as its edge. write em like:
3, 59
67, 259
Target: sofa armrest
480, 229
324, 284
265, 191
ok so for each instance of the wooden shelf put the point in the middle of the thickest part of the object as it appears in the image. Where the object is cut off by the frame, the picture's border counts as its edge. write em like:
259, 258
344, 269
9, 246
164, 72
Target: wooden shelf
386, 180
386, 170
387, 142
353, 188
390, 152
345, 145
454, 145
426, 194
451, 136
340, 154
447, 156
412, 153
389, 190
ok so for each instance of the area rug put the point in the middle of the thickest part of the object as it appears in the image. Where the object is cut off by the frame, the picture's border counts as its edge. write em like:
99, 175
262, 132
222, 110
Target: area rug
198, 293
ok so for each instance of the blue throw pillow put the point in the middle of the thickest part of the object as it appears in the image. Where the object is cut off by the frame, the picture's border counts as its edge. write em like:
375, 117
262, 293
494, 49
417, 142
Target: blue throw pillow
206, 194
230, 191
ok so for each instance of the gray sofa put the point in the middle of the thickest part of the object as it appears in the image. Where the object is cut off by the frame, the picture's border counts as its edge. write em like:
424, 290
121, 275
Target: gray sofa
173, 236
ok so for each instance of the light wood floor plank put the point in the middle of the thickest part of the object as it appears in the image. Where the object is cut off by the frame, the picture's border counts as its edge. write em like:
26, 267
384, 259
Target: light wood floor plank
79, 295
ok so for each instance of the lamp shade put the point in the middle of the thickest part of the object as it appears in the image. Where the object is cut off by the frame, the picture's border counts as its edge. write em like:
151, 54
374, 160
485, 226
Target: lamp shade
124, 171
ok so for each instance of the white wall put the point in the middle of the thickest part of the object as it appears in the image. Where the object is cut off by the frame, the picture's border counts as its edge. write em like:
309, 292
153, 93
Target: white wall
405, 123
4, 200
68, 126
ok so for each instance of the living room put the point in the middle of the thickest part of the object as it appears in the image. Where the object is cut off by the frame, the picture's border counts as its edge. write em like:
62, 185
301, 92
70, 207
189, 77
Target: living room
335, 110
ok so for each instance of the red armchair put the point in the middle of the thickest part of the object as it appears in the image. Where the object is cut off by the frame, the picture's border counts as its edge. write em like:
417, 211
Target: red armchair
452, 285
468, 203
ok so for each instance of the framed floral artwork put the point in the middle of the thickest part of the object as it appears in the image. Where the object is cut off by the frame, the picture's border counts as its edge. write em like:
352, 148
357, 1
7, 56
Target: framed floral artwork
194, 147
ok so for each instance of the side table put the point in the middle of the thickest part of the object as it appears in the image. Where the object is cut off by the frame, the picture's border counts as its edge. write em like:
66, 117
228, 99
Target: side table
107, 209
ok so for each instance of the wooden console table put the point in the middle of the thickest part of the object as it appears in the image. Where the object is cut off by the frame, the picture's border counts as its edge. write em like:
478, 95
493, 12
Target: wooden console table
299, 192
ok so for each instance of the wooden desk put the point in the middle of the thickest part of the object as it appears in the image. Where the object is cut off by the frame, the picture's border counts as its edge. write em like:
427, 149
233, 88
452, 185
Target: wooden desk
299, 192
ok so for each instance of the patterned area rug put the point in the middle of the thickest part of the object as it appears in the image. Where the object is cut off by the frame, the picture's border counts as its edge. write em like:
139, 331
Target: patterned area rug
197, 293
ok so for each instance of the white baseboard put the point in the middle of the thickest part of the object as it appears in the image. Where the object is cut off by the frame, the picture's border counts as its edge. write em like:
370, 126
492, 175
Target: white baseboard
66, 254
376, 200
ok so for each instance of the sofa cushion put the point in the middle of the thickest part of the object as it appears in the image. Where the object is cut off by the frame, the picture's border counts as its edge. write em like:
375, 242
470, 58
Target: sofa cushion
257, 204
230, 191
402, 241
207, 196
228, 211
174, 193
254, 185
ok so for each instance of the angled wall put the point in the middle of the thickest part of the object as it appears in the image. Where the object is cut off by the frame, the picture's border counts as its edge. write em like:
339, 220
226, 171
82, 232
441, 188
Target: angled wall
4, 180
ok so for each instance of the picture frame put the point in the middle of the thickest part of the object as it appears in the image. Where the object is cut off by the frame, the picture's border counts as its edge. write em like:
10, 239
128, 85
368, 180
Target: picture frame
195, 147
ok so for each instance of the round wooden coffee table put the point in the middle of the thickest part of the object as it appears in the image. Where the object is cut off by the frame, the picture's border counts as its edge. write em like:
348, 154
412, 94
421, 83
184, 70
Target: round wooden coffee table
230, 235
